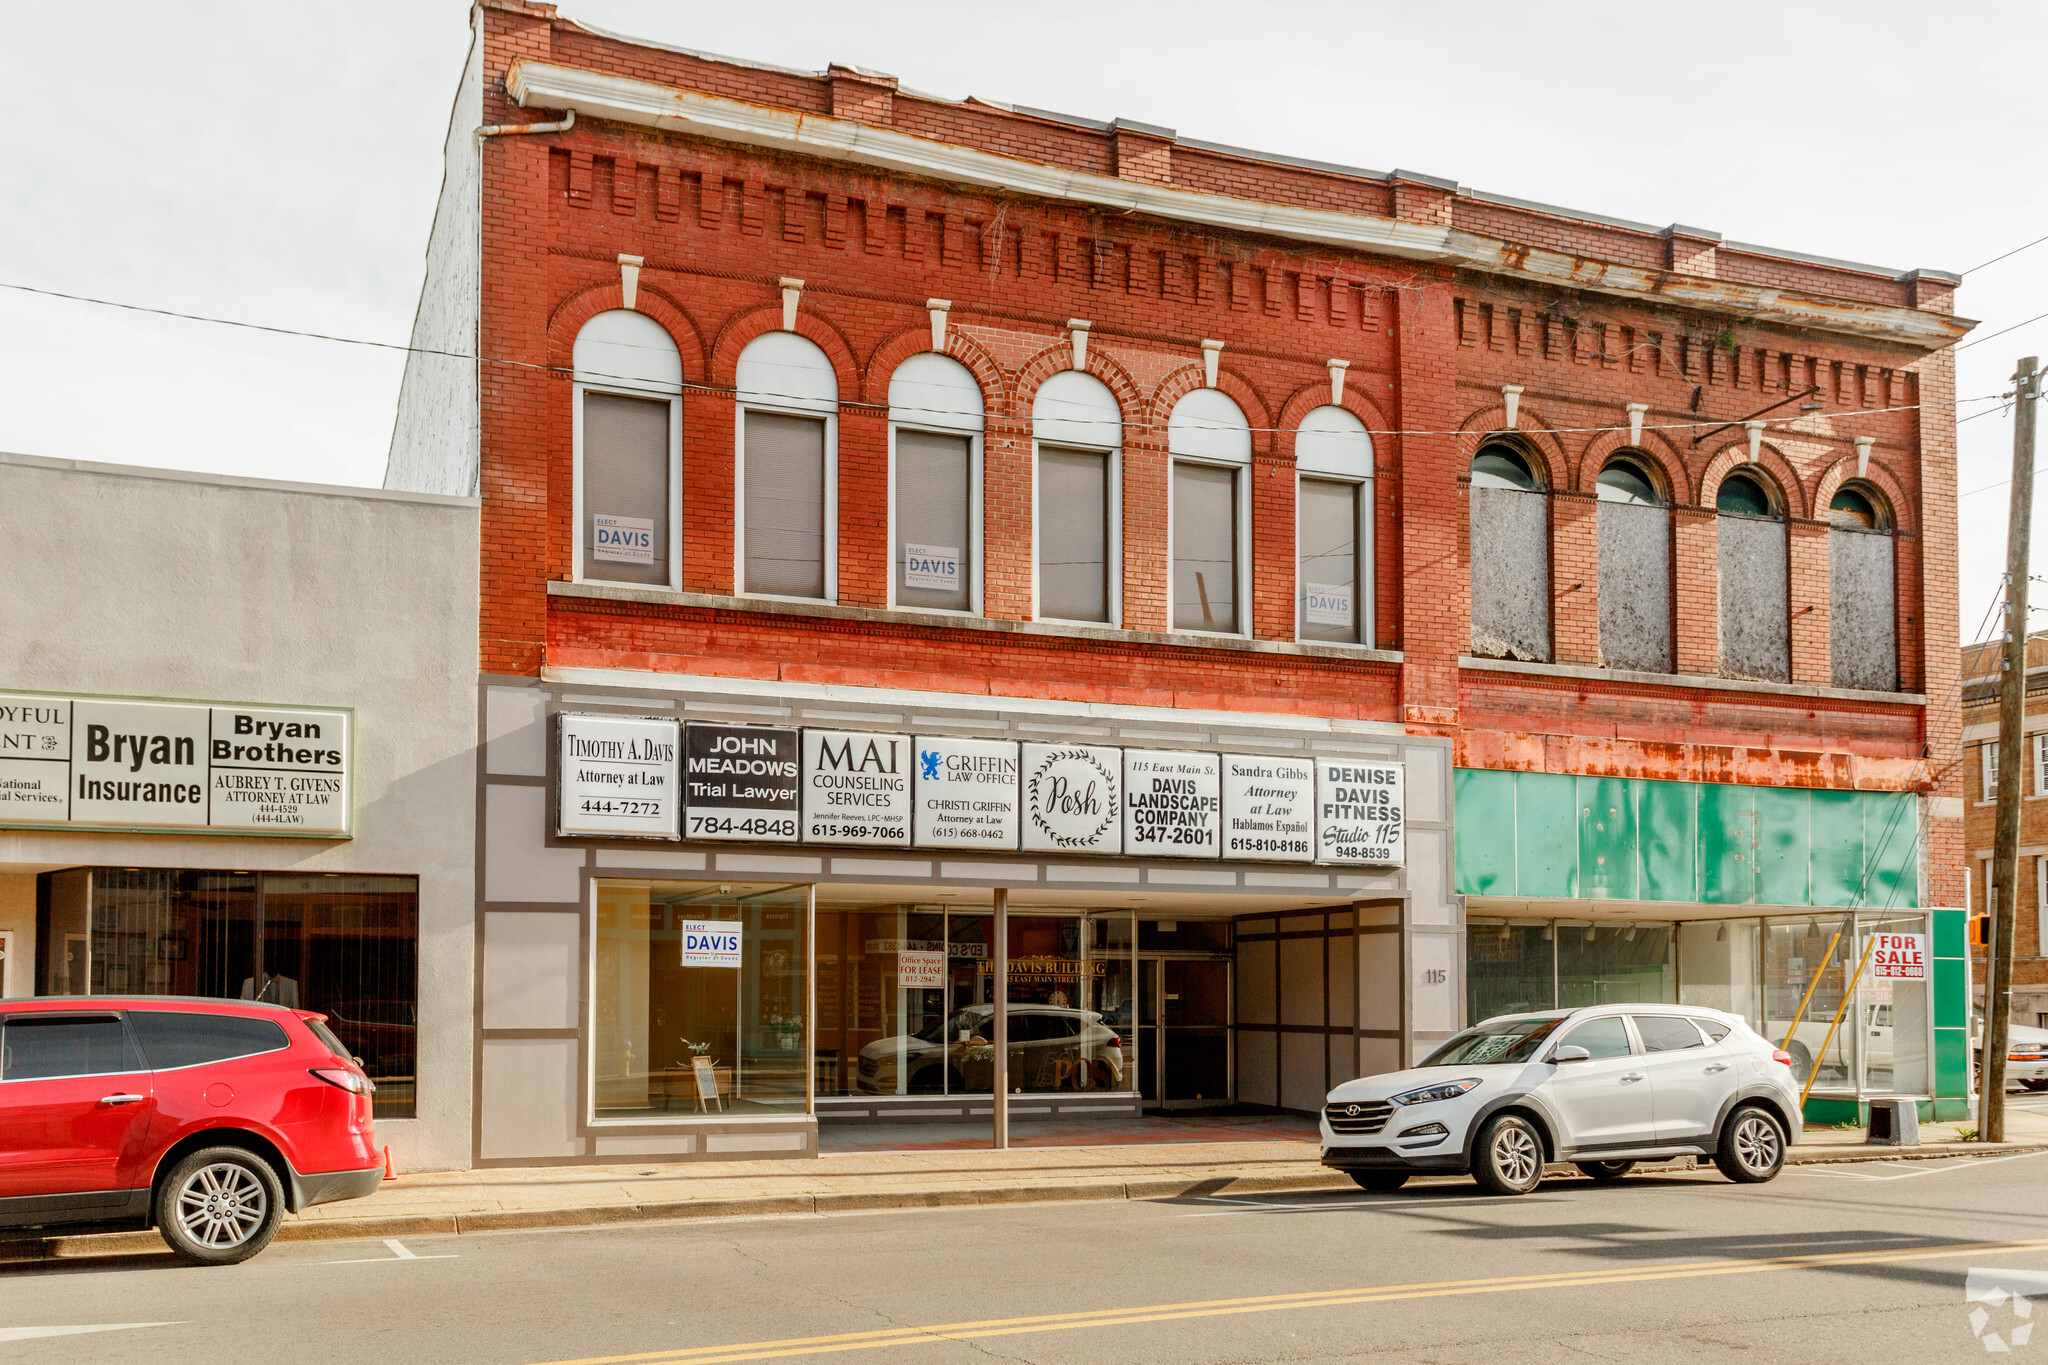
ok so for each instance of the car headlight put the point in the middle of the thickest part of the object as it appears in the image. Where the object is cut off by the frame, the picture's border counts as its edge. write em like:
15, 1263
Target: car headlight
1442, 1090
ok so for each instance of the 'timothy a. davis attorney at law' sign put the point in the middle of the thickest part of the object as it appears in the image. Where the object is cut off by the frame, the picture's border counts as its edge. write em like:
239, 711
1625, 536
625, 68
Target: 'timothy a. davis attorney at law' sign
111, 763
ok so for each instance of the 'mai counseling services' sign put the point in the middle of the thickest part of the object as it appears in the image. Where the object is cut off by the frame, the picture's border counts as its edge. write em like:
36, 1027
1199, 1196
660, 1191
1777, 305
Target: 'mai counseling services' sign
110, 763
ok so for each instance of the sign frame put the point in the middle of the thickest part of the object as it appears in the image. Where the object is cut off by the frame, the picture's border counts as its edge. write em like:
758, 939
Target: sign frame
673, 829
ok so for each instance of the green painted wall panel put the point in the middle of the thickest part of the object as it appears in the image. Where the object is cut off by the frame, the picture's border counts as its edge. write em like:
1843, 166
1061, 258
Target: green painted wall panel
1665, 817
1546, 835
1607, 838
1951, 1007
1891, 838
1950, 927
1836, 822
1727, 844
1951, 1064
1485, 843
1784, 845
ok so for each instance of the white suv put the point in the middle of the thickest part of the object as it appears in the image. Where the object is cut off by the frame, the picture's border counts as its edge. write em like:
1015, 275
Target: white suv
1602, 1087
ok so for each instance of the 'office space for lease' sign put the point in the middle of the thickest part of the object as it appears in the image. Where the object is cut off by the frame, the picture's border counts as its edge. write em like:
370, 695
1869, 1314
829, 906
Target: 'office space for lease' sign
113, 763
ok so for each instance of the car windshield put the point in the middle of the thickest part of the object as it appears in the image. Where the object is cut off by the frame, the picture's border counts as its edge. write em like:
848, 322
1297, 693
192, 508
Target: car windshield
1497, 1040
971, 1020
326, 1036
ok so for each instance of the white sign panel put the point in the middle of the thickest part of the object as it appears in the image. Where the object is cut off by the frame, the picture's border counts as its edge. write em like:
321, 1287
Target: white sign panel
710, 942
921, 971
966, 793
856, 788
1073, 798
1173, 804
1359, 805
111, 763
1327, 605
619, 776
1269, 808
931, 566
622, 540
1899, 957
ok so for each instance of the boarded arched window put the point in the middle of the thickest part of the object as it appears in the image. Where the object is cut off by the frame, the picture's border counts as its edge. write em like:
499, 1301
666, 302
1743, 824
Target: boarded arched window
1510, 558
1749, 530
1862, 606
788, 486
1079, 432
628, 450
1635, 567
935, 421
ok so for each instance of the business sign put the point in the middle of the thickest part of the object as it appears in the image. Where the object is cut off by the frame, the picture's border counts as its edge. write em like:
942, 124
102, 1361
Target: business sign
1327, 605
621, 540
1359, 809
104, 763
932, 566
1073, 798
856, 788
1173, 803
1269, 808
921, 971
966, 793
1899, 957
710, 942
740, 782
618, 776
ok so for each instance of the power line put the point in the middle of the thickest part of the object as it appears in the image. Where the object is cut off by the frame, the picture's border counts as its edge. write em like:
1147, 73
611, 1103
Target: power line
2001, 332
1996, 259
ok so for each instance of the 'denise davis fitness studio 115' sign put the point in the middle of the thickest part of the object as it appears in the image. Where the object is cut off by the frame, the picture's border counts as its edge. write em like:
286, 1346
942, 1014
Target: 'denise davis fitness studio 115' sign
665, 779
108, 763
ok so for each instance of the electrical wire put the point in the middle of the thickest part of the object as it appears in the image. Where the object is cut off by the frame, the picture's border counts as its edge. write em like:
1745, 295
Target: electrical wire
1996, 259
1989, 336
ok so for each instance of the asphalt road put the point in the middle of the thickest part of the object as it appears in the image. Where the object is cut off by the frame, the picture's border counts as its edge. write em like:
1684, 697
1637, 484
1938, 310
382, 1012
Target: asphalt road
1863, 1262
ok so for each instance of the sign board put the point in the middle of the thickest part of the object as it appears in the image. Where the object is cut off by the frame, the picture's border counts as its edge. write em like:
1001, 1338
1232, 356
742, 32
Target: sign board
710, 942
1073, 798
706, 1074
921, 971
111, 763
932, 566
856, 788
1173, 803
1326, 605
618, 777
740, 782
1899, 957
1269, 808
965, 793
1359, 811
621, 540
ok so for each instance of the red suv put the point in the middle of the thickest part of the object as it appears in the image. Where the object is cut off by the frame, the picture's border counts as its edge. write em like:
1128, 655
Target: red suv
203, 1118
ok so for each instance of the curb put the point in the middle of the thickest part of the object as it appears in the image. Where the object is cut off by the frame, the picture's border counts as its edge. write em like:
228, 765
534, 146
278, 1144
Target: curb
859, 1201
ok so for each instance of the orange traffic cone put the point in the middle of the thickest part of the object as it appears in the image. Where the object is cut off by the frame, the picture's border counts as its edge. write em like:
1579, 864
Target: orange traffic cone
390, 1169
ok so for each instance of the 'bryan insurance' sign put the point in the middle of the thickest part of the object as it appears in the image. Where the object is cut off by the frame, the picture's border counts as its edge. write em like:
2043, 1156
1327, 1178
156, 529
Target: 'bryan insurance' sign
111, 763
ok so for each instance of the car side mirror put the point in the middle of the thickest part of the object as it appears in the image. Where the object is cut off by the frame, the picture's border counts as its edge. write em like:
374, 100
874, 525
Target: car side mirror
1571, 1052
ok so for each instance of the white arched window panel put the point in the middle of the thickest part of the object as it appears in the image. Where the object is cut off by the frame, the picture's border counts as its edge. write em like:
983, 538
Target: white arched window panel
783, 370
1331, 441
622, 349
1075, 409
1206, 425
931, 390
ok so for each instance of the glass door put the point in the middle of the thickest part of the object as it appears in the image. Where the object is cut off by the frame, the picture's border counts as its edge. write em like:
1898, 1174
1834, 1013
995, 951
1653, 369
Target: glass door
1194, 1007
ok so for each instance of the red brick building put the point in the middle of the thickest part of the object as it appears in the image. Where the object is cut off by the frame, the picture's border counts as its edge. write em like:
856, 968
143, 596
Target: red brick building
1980, 781
807, 400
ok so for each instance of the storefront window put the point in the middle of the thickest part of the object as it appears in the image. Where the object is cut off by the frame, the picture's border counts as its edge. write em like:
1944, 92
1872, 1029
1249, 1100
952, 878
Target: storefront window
346, 946
1893, 1019
1510, 968
1065, 978
1615, 964
1799, 964
700, 999
1718, 967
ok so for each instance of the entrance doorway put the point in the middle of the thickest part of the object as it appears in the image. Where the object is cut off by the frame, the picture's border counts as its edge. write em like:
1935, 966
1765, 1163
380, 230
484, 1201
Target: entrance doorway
1183, 1040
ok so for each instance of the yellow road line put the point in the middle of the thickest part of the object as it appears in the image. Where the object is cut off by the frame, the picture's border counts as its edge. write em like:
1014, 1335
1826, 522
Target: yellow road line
1115, 1317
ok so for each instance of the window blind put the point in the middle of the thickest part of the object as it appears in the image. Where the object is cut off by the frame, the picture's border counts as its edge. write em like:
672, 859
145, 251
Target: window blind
785, 505
1327, 585
1073, 535
625, 488
933, 556
1204, 548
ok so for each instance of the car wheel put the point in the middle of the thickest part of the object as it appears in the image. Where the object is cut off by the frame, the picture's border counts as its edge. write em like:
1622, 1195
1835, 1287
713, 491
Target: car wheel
1802, 1062
2035, 1085
220, 1205
1606, 1171
1752, 1146
1379, 1182
1508, 1157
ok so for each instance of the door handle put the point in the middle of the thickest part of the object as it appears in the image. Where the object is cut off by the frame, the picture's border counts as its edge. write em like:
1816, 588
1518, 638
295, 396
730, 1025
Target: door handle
120, 1099
1632, 1076
1717, 1066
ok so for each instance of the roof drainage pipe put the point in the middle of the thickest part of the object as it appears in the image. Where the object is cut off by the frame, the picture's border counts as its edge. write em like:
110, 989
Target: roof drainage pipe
502, 129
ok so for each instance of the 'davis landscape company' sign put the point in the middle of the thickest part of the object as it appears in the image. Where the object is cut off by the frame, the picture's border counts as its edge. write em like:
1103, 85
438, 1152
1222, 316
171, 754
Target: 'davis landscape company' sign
772, 784
105, 763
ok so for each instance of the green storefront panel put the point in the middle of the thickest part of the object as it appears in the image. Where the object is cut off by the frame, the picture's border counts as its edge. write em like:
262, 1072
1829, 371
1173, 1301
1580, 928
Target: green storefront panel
1950, 929
1783, 846
1665, 815
1607, 838
1486, 805
1727, 844
1951, 996
1891, 844
1951, 1064
1546, 835
1835, 822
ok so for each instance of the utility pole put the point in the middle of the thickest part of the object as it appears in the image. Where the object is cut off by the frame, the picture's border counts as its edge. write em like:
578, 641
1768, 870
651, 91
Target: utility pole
2012, 705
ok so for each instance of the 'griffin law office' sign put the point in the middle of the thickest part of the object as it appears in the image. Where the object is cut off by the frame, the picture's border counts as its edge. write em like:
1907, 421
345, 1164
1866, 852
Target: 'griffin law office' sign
119, 764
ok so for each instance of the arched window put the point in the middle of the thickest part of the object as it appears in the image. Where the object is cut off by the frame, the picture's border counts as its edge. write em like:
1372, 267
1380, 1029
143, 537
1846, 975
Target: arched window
1333, 528
1078, 432
1862, 603
787, 544
1510, 540
628, 450
1635, 567
1211, 445
934, 485
1756, 628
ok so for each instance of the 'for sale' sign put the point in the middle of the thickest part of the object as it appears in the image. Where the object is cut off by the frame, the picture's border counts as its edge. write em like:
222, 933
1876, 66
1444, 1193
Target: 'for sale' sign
1899, 957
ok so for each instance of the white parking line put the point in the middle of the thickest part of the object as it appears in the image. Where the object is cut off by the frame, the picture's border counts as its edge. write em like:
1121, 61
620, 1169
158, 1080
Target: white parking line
33, 1333
399, 1252
1927, 1167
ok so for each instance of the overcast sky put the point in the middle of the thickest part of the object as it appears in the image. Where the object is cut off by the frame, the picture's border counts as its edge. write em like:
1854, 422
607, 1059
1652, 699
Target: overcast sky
278, 164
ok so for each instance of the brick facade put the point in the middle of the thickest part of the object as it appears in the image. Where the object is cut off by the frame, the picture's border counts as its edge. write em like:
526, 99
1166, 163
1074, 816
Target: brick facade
1980, 718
